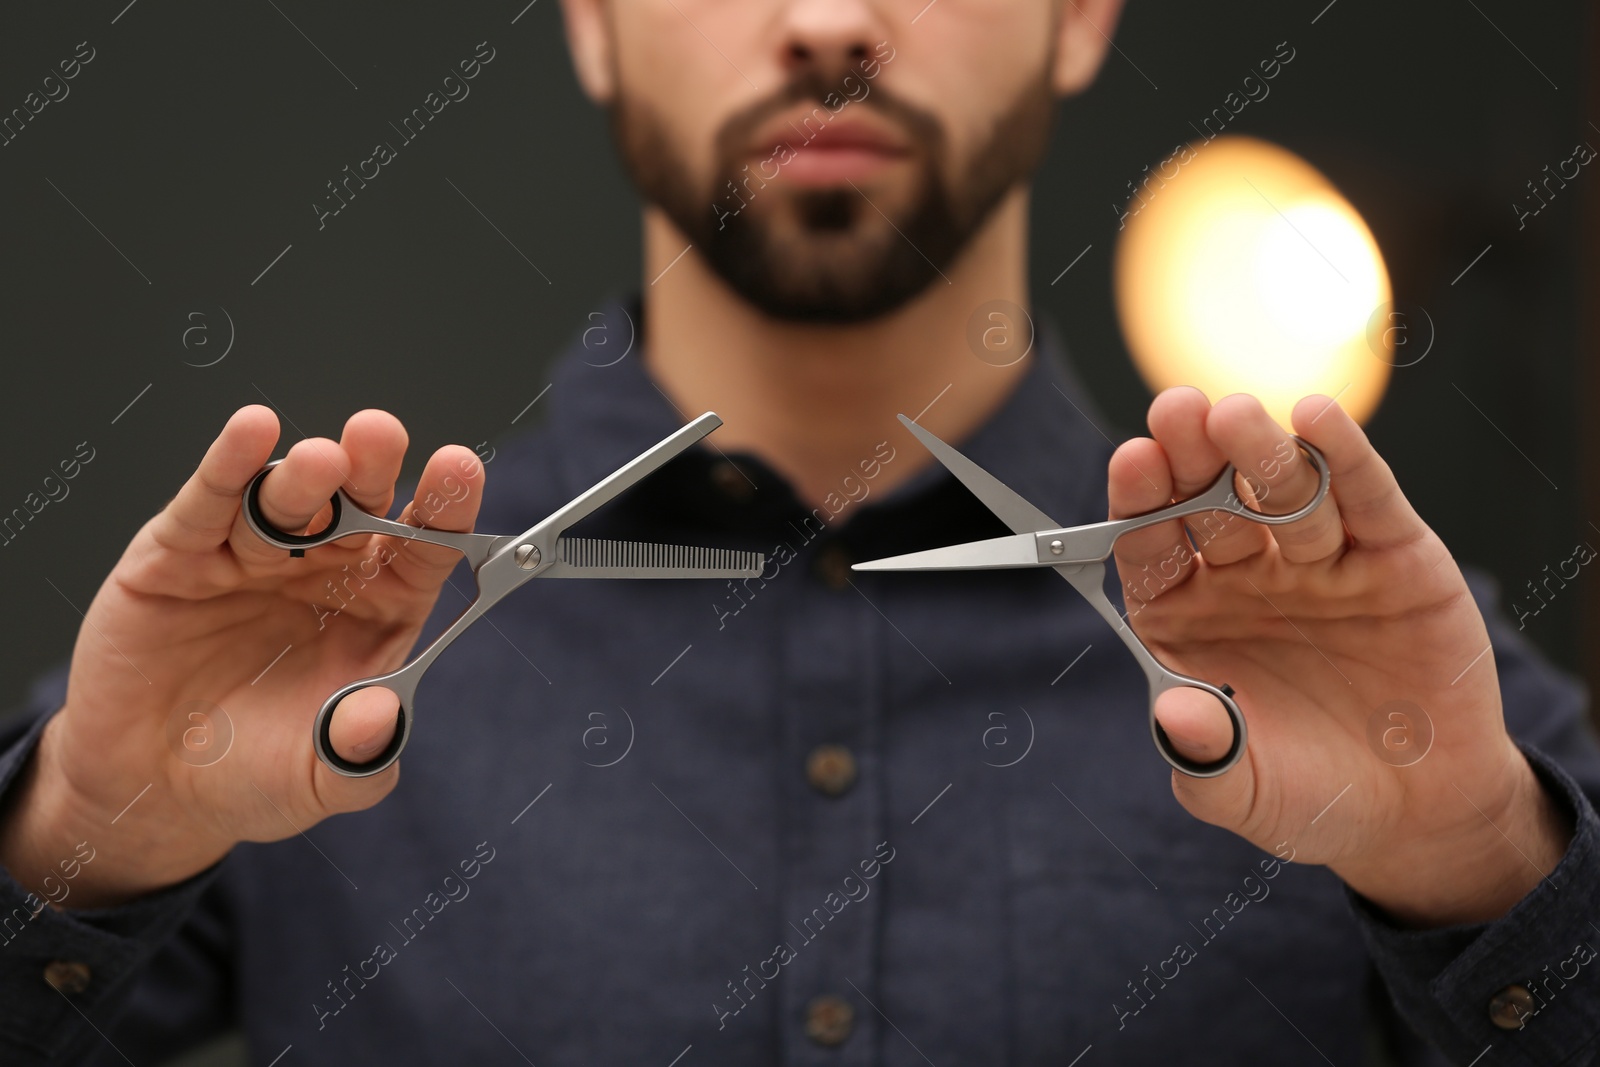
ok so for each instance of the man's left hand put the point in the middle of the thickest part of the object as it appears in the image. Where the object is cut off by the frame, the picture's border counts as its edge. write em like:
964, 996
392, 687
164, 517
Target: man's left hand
1316, 625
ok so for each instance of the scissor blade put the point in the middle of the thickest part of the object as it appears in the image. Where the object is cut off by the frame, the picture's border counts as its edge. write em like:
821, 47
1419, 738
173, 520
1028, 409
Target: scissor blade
1017, 550
630, 473
1012, 509
589, 557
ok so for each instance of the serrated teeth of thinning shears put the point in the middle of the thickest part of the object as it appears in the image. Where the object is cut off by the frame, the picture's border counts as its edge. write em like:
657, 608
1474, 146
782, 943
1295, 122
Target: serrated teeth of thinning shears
592, 557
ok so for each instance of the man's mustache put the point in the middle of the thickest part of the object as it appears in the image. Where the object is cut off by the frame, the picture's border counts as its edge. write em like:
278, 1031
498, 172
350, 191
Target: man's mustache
833, 93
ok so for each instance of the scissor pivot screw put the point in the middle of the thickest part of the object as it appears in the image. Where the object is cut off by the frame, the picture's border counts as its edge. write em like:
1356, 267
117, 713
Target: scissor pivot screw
1056, 548
527, 556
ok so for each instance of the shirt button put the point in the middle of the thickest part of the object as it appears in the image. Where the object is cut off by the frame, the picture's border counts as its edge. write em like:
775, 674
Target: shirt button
67, 977
829, 1020
832, 566
831, 770
1510, 1007
729, 477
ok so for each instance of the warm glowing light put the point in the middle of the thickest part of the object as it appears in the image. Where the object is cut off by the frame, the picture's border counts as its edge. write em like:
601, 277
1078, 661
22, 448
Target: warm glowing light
1242, 270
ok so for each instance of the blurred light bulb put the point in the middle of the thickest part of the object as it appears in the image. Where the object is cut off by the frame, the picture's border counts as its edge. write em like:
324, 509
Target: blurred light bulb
1248, 272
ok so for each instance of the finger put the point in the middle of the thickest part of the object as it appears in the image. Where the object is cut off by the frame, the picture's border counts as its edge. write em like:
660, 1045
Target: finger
1371, 505
448, 496
376, 443
363, 723
1199, 728
1196, 723
1280, 476
1156, 558
294, 496
1178, 420
202, 515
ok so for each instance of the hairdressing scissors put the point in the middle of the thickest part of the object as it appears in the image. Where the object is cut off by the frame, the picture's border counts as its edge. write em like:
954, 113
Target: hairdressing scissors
1079, 555
502, 564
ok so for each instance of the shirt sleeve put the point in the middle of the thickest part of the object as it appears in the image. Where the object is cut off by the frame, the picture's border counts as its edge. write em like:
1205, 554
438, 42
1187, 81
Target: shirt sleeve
1525, 988
143, 980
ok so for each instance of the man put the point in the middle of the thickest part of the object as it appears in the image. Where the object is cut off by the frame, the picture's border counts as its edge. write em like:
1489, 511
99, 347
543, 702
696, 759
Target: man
811, 817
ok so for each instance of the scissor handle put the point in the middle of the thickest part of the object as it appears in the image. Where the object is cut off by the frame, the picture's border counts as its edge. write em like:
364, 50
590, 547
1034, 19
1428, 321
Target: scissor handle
322, 737
1089, 580
349, 520
1085, 544
1224, 694
1221, 495
344, 509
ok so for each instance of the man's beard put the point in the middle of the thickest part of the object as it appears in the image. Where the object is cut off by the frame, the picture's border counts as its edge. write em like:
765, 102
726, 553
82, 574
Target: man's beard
832, 264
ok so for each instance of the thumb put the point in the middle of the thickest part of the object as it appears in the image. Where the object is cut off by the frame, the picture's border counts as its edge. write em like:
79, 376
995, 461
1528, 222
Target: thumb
360, 728
1198, 726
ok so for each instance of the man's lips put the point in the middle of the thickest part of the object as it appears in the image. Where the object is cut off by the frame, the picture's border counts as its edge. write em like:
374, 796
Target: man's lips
845, 150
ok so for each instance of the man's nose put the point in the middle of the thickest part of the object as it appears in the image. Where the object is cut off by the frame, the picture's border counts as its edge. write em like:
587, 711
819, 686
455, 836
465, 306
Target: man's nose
828, 34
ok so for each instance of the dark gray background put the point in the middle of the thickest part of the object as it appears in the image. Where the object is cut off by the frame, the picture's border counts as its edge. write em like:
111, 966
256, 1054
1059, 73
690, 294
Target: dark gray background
201, 134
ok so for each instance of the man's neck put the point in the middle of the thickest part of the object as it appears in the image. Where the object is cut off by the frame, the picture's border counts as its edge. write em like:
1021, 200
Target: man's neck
815, 401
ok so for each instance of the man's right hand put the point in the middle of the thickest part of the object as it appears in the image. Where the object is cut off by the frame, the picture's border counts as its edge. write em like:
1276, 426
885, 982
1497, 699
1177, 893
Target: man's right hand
201, 612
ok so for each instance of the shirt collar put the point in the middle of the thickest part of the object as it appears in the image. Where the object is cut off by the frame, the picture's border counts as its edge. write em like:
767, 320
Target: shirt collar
1045, 441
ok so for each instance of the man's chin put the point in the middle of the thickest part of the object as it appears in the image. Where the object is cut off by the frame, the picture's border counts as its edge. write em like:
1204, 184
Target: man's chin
820, 275
836, 294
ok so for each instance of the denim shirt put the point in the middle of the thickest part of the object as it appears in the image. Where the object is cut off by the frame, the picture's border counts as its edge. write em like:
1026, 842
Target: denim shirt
816, 817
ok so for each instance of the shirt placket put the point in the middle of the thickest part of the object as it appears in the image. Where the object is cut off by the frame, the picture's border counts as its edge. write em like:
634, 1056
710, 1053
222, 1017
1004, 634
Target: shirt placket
830, 700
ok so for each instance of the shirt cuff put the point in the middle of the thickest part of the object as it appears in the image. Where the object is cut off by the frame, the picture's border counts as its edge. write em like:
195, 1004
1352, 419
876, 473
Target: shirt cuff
60, 968
1526, 985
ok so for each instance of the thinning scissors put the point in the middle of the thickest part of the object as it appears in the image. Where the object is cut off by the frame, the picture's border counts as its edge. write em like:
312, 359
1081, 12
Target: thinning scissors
1079, 555
501, 564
